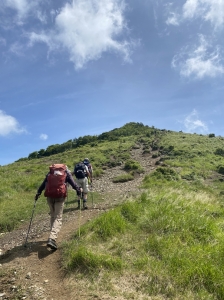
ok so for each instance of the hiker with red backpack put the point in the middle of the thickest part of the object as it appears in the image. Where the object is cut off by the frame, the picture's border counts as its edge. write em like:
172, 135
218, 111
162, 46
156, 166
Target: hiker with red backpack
82, 174
55, 188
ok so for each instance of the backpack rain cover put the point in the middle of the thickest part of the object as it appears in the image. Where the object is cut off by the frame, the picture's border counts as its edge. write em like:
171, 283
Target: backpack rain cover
56, 186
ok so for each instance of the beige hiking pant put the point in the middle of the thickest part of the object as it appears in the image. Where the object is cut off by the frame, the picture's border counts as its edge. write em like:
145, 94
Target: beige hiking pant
56, 206
83, 183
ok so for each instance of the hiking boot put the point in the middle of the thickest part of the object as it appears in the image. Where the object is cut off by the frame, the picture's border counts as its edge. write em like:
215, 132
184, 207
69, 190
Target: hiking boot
85, 206
52, 244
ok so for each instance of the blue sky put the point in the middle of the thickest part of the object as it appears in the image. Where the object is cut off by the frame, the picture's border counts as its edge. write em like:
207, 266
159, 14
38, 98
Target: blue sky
83, 67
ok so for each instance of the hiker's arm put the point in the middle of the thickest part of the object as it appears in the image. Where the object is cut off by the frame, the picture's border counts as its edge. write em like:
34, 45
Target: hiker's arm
41, 188
73, 184
90, 178
91, 173
87, 172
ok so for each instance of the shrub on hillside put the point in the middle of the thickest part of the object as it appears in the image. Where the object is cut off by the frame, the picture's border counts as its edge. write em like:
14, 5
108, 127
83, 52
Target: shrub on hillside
132, 165
146, 151
165, 173
123, 178
221, 170
155, 147
136, 147
219, 151
189, 176
114, 163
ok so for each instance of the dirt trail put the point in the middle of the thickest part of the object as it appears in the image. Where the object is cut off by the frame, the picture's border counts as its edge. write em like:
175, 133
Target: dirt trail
36, 272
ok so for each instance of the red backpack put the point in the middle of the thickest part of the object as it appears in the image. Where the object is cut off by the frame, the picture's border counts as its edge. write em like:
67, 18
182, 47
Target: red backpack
56, 186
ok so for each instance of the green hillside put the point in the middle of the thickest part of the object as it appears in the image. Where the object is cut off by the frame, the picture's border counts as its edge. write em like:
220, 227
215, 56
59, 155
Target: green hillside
165, 243
193, 158
21, 179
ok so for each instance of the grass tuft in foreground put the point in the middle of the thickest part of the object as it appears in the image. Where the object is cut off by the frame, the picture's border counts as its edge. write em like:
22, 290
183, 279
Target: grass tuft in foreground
171, 239
84, 260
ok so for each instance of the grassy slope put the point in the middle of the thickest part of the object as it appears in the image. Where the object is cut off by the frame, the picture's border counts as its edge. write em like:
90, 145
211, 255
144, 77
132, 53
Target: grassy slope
20, 180
168, 244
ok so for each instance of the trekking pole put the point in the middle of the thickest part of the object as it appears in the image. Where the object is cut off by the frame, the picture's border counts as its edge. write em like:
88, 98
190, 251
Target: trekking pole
81, 198
92, 193
66, 202
30, 222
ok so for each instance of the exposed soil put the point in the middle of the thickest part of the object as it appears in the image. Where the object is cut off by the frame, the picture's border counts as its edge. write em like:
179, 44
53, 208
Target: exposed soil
34, 272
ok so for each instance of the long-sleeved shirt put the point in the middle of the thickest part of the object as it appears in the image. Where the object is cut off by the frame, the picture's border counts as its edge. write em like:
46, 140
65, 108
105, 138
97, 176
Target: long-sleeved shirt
69, 179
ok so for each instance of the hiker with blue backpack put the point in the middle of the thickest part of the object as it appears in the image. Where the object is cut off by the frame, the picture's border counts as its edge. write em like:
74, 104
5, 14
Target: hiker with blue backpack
55, 186
82, 174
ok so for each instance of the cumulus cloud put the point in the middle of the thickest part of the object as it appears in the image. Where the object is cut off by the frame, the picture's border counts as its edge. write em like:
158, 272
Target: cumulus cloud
86, 29
207, 10
193, 124
9, 124
23, 9
22, 6
191, 9
211, 11
201, 61
43, 136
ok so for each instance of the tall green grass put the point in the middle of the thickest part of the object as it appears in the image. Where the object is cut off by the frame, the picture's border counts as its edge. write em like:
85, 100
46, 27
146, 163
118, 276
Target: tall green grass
170, 238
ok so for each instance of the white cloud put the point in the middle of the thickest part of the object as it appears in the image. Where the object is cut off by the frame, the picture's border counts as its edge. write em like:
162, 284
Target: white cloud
21, 6
23, 9
191, 8
42, 37
9, 124
43, 136
208, 10
173, 19
202, 61
211, 11
193, 124
17, 49
86, 29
